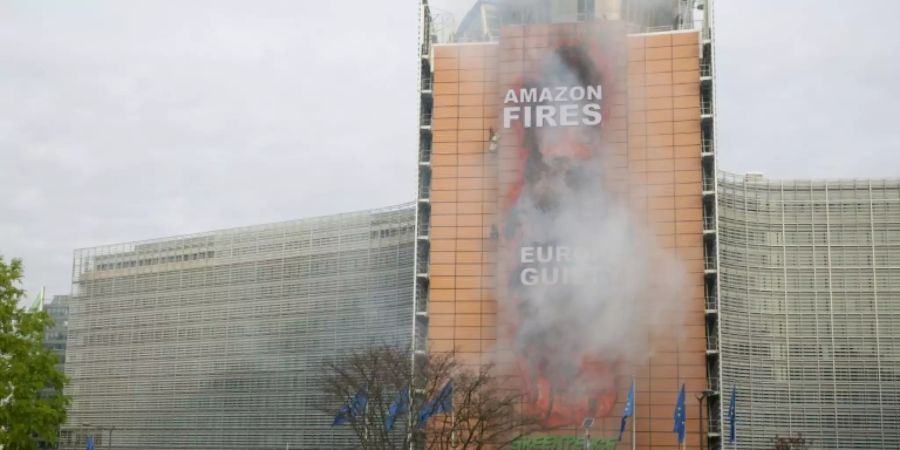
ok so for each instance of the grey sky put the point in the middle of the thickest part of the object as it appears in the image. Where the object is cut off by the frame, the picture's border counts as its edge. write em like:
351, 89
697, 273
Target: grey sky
130, 120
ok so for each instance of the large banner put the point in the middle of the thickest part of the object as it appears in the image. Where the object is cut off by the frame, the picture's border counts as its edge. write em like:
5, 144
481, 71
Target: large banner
563, 226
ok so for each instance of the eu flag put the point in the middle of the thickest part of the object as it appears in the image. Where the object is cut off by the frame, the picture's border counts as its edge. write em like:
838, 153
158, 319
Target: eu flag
400, 405
342, 416
680, 416
442, 403
355, 408
731, 416
629, 410
90, 443
360, 400
444, 400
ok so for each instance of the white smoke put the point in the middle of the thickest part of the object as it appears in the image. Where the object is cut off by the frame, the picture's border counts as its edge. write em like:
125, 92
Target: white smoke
606, 284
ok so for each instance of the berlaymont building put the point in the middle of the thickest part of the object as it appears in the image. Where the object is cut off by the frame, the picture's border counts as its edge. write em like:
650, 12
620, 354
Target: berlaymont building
789, 291
806, 323
218, 340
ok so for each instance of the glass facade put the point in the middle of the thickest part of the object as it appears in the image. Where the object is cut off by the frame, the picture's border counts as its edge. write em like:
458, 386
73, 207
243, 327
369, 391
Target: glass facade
55, 336
218, 340
810, 310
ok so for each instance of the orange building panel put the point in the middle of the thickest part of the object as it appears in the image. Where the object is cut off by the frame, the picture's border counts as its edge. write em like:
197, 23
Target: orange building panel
652, 171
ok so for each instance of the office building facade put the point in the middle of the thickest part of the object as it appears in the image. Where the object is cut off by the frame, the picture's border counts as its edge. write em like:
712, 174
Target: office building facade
56, 336
219, 340
809, 310
793, 293
627, 129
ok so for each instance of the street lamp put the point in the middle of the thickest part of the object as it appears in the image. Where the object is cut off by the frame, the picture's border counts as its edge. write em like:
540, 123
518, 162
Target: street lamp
700, 397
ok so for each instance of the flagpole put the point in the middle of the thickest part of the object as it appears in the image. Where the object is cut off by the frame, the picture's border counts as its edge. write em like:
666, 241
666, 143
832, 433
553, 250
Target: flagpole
366, 418
409, 413
732, 417
634, 417
452, 428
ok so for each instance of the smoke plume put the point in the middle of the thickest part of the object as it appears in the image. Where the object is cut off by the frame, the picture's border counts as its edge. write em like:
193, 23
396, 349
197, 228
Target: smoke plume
583, 284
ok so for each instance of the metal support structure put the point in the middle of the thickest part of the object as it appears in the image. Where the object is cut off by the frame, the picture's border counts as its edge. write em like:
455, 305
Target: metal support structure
419, 340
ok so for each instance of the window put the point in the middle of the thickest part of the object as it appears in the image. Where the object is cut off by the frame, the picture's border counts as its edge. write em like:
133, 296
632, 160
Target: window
586, 9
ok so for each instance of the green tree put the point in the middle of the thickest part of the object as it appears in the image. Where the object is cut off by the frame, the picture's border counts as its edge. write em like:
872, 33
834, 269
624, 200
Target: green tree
32, 405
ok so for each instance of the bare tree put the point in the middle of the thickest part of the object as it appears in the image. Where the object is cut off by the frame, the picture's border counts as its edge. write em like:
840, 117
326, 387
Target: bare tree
486, 412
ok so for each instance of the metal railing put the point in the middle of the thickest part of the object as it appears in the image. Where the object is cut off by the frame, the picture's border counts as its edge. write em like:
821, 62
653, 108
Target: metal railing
715, 424
425, 189
709, 183
706, 108
712, 342
425, 119
712, 383
705, 69
424, 228
422, 264
709, 223
707, 146
712, 303
659, 29
427, 84
709, 263
421, 304
425, 153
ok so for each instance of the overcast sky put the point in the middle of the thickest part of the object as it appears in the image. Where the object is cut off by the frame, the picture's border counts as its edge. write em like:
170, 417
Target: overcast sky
131, 120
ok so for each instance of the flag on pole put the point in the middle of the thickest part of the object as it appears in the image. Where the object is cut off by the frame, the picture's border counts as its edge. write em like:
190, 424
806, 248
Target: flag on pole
400, 405
731, 416
90, 443
629, 410
442, 403
38, 304
680, 416
354, 408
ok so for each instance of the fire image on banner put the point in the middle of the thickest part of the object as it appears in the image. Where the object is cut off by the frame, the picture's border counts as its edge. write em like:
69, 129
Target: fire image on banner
556, 198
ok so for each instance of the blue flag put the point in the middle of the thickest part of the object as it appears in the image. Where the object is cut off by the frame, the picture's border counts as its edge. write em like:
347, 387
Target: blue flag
342, 416
680, 414
444, 400
731, 416
441, 404
354, 408
629, 410
400, 405
90, 443
360, 400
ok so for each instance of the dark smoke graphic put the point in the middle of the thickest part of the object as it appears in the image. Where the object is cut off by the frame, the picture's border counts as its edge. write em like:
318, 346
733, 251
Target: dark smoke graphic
574, 261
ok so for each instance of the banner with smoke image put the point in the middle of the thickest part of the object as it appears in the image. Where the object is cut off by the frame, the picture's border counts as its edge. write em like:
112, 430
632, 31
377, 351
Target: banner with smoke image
574, 260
